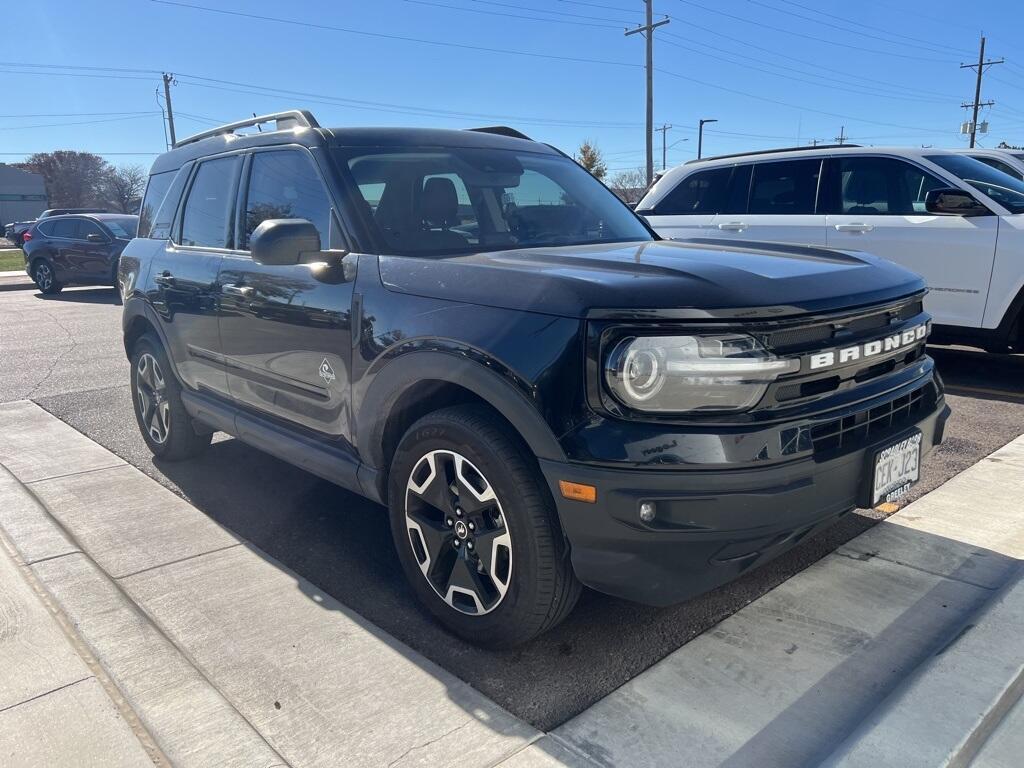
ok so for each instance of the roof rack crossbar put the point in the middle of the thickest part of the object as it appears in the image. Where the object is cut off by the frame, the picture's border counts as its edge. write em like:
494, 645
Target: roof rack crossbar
501, 130
288, 119
769, 152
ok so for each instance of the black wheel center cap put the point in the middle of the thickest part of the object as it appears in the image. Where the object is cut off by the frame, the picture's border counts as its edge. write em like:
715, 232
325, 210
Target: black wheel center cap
461, 530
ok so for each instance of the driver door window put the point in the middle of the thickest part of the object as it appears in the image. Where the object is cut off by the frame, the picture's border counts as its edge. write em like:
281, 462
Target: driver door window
285, 185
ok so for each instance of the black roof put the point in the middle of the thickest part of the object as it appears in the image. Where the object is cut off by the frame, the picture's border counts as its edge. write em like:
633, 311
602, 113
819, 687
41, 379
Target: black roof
347, 137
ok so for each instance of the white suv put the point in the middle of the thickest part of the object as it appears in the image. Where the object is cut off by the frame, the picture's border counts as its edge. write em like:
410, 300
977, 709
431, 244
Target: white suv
956, 221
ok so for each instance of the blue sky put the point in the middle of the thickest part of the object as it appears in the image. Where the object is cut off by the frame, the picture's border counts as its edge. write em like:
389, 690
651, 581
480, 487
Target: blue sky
773, 72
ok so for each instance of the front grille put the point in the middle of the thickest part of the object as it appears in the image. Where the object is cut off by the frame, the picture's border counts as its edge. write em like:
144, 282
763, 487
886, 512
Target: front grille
787, 340
858, 429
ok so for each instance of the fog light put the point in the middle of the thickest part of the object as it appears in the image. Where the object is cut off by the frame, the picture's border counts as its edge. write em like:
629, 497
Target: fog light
647, 511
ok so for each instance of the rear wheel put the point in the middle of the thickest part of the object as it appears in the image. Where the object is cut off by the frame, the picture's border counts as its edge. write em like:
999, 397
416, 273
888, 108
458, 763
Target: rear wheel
165, 425
476, 530
45, 278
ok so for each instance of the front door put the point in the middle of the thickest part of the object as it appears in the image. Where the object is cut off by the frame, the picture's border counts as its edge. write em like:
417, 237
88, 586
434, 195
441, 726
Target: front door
286, 330
877, 205
93, 256
184, 274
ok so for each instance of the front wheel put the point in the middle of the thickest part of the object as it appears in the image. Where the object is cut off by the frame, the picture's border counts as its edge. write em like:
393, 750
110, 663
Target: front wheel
165, 425
476, 530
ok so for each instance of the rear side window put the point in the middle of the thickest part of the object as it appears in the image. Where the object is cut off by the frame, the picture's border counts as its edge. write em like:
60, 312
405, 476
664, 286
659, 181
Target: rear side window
787, 188
700, 193
207, 219
67, 228
285, 185
156, 191
999, 165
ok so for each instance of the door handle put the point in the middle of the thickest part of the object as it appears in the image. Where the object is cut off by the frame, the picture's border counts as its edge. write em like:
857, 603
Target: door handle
165, 279
245, 291
733, 226
854, 227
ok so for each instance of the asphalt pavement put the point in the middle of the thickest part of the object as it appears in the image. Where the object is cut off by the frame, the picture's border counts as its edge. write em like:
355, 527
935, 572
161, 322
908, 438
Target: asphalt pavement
65, 353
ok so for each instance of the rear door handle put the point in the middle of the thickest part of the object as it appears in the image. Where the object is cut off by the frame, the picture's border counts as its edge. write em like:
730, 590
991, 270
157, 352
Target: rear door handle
733, 226
244, 291
854, 227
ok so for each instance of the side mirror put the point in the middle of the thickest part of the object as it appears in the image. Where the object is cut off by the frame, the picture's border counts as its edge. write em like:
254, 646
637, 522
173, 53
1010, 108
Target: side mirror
95, 237
277, 242
953, 201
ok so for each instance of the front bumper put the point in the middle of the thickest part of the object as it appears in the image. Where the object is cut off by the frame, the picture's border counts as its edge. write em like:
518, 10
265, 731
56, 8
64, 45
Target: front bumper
712, 525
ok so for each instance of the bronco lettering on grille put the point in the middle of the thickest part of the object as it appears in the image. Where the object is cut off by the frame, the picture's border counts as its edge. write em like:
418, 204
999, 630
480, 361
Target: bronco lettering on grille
844, 355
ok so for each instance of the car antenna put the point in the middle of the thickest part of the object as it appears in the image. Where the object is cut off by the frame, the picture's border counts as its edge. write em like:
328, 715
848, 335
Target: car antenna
258, 127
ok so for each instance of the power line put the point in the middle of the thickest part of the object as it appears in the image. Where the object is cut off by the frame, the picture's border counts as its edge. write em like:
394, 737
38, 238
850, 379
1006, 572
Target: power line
78, 122
533, 9
403, 38
509, 15
77, 114
763, 25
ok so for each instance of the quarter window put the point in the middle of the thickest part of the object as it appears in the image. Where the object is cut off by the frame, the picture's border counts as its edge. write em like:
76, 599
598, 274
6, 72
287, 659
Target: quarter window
787, 188
873, 186
207, 218
285, 185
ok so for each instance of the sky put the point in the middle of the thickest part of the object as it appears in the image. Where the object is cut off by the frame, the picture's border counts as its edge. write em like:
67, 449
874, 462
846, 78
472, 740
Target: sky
85, 74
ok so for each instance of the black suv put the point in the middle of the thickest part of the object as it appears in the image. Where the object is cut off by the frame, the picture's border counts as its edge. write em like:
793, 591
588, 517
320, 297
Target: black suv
469, 328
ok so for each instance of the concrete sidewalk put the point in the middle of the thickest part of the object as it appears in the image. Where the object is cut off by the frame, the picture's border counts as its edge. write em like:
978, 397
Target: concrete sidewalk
226, 657
56, 706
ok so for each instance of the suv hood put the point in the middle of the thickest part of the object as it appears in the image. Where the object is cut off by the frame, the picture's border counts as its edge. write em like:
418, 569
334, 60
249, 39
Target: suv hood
693, 279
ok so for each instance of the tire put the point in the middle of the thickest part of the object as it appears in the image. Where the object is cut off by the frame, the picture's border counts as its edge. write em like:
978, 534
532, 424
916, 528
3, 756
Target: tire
156, 398
45, 278
458, 475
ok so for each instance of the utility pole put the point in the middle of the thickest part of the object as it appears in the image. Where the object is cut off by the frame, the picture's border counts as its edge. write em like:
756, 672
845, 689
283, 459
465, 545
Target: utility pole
664, 150
980, 66
647, 30
842, 137
700, 134
168, 82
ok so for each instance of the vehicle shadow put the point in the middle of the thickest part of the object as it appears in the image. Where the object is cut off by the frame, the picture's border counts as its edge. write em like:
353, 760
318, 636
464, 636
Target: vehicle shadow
341, 543
104, 295
983, 375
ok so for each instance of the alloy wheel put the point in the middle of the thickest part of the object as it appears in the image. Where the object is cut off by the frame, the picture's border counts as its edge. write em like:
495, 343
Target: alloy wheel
44, 276
458, 532
154, 407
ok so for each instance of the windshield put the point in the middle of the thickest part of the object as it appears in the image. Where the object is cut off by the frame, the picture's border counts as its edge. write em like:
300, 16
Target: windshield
1005, 190
124, 227
457, 200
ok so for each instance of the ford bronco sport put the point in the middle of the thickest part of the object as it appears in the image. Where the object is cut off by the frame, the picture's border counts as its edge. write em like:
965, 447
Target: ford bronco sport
467, 327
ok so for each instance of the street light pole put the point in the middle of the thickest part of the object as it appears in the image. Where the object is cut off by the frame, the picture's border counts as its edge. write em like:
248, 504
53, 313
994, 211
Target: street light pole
700, 134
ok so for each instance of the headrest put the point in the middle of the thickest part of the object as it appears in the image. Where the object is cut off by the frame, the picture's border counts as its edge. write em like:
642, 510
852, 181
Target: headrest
439, 205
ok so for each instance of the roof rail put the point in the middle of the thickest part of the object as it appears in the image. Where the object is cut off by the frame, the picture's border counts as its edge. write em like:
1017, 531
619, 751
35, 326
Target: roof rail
502, 130
769, 152
289, 119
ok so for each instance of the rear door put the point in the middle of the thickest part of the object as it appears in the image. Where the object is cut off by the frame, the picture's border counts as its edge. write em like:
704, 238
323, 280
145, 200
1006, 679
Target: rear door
286, 330
782, 205
184, 273
689, 209
877, 204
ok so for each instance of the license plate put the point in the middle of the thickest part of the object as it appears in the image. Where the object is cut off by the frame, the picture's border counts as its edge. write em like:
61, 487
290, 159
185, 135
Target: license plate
896, 469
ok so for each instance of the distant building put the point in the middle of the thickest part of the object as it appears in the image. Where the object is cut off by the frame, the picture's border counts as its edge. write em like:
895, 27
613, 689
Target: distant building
22, 195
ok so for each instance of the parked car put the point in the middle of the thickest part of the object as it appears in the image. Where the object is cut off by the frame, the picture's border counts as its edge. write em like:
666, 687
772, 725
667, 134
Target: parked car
1008, 161
954, 220
469, 328
77, 250
16, 230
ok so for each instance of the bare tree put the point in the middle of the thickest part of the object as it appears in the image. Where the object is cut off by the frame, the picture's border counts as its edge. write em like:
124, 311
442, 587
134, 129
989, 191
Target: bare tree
629, 185
73, 179
122, 187
589, 156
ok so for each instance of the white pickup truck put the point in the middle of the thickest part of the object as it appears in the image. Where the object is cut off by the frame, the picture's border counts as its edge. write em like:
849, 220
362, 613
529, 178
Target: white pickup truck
956, 221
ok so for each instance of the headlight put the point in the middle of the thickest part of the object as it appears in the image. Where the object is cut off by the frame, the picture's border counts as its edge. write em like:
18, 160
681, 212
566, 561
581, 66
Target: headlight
680, 374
